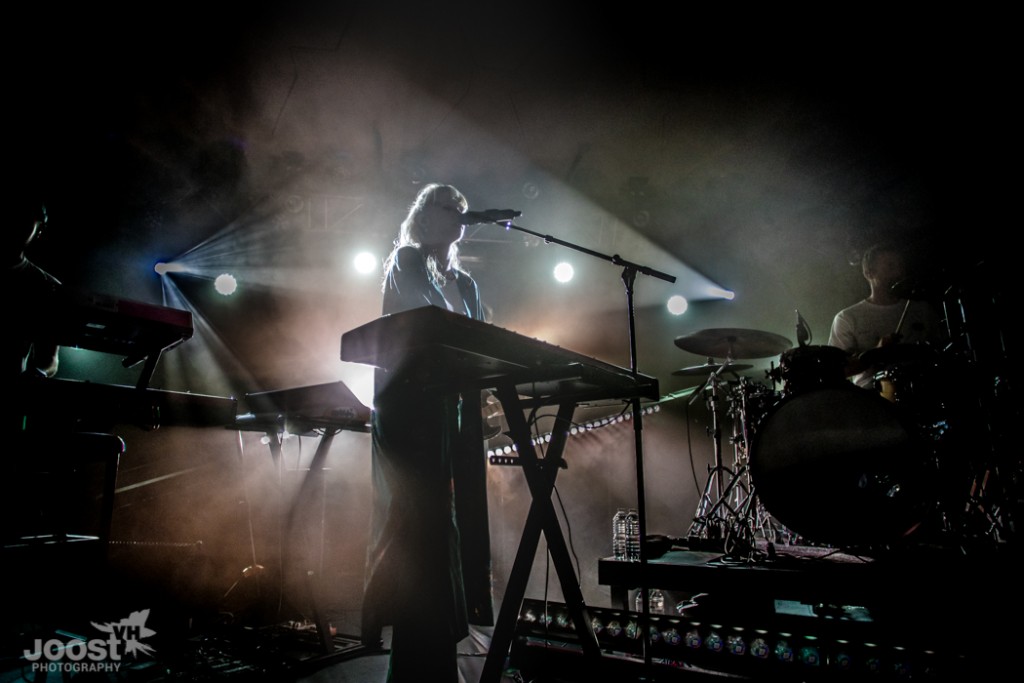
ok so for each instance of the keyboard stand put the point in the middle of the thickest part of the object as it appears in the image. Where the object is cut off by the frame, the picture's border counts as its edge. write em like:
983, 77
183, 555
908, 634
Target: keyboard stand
540, 478
329, 409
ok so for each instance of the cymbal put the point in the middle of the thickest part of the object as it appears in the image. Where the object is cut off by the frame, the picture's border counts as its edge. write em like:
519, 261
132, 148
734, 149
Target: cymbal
734, 343
710, 369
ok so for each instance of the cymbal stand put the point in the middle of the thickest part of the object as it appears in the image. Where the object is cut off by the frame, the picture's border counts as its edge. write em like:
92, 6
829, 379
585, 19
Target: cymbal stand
709, 522
974, 314
753, 521
729, 512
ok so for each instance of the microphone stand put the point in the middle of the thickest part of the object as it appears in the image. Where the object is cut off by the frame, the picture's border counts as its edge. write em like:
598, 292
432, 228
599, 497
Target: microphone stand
629, 273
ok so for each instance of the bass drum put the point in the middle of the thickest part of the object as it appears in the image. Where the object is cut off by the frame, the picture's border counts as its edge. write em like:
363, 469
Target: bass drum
839, 466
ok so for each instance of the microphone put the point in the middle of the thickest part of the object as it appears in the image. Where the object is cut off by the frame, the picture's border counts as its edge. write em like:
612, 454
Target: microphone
490, 216
803, 330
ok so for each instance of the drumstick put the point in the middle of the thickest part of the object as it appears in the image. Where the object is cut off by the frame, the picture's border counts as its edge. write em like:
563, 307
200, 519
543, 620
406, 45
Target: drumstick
902, 317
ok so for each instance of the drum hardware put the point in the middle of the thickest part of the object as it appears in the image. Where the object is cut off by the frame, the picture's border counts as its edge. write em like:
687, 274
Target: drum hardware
711, 367
729, 511
976, 301
982, 513
944, 399
707, 510
735, 520
709, 519
750, 401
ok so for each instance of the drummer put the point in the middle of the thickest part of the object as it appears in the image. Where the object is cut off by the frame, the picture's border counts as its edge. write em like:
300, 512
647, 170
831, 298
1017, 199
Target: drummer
883, 320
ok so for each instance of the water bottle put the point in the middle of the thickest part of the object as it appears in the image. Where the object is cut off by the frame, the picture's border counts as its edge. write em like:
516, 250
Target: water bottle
655, 601
632, 535
619, 534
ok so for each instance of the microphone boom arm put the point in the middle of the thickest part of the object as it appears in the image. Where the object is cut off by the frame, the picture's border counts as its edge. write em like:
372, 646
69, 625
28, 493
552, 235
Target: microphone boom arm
615, 258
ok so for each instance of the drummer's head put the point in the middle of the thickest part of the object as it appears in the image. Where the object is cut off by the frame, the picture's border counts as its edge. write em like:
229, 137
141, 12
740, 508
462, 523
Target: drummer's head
883, 263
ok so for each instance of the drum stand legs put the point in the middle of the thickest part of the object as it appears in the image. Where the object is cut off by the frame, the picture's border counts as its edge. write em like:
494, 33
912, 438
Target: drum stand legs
729, 515
736, 520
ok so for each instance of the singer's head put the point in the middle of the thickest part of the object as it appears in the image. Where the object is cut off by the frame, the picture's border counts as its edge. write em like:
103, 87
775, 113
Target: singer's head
28, 220
434, 225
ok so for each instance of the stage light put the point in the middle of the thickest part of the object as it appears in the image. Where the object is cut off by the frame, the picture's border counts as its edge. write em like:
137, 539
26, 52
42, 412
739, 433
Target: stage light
783, 650
809, 654
720, 293
714, 642
632, 630
692, 638
901, 667
225, 284
564, 272
873, 659
735, 642
759, 648
161, 268
842, 659
365, 263
677, 304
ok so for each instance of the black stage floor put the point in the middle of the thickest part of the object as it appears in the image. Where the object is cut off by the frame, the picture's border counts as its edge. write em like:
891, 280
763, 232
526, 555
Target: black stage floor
788, 613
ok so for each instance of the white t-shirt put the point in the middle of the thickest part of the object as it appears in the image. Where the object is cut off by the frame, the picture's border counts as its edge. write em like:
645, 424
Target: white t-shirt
859, 327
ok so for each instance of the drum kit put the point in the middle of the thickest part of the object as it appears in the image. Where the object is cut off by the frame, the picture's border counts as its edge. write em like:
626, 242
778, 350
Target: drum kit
819, 461
932, 452
729, 511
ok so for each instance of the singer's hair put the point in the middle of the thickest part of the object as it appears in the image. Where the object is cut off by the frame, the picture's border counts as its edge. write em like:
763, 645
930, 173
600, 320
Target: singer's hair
410, 233
28, 215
